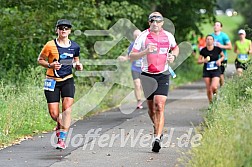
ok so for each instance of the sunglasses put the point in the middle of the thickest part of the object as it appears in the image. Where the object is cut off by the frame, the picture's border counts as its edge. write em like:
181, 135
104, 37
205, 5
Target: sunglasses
64, 28
157, 21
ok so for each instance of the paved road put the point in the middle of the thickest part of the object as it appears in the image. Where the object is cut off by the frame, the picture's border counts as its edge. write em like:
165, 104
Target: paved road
122, 140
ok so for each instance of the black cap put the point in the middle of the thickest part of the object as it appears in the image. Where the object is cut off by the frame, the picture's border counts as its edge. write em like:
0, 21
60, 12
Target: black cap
63, 22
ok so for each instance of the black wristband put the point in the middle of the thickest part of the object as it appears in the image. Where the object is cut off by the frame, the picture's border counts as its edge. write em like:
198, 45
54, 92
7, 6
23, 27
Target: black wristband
49, 66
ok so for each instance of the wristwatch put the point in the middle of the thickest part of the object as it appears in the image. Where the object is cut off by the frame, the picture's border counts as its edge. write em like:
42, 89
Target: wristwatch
49, 66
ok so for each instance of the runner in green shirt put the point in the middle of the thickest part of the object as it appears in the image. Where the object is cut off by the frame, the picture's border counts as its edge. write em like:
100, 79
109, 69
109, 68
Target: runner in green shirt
242, 48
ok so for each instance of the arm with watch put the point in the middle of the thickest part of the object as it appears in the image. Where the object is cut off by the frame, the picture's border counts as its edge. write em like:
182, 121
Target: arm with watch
171, 58
77, 65
42, 61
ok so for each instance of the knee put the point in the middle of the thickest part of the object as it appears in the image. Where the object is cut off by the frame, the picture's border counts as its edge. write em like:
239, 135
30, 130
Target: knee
214, 88
67, 104
67, 109
159, 107
209, 90
54, 115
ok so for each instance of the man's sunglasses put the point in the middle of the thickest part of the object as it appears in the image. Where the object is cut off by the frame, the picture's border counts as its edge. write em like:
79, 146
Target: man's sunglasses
63, 28
157, 21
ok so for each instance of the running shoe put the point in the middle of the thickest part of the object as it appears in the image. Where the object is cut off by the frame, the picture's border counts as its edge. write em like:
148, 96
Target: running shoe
139, 105
156, 145
61, 144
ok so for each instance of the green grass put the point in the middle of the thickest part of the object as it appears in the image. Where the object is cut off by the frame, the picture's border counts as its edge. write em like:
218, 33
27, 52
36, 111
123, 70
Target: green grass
230, 27
23, 108
227, 136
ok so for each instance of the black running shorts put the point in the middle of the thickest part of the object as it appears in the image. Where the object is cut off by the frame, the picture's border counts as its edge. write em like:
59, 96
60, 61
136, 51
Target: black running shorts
211, 73
155, 84
238, 64
223, 66
64, 89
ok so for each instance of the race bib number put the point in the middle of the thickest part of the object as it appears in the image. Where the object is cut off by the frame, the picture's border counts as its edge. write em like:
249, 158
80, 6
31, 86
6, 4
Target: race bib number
243, 57
212, 65
49, 84
163, 50
138, 63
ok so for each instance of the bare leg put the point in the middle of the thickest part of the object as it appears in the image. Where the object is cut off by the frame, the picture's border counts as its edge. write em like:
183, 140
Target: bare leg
214, 84
239, 71
138, 89
221, 79
54, 113
66, 113
159, 105
208, 89
151, 111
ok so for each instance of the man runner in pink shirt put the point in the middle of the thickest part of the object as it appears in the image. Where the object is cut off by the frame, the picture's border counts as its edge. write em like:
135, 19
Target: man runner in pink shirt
157, 48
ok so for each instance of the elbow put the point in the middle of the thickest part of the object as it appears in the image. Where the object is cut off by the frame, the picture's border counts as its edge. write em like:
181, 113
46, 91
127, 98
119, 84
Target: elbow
38, 61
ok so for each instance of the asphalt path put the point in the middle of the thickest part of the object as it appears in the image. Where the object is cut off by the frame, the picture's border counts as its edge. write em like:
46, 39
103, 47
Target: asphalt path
113, 138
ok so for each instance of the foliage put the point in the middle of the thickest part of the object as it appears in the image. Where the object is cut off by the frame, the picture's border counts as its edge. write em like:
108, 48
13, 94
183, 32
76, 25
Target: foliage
26, 26
227, 135
225, 4
244, 7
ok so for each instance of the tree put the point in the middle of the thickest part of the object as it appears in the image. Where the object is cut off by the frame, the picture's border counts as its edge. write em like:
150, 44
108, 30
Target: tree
244, 7
27, 25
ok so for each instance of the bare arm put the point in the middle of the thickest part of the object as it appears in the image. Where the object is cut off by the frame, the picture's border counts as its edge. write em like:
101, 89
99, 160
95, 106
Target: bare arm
174, 55
123, 58
175, 51
250, 48
228, 46
42, 60
218, 62
201, 59
77, 64
138, 55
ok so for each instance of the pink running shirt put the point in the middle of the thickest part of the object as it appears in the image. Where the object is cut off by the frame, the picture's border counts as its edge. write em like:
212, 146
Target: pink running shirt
155, 62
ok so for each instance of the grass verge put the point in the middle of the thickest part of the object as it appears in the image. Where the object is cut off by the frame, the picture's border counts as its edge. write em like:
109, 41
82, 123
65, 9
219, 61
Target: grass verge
227, 135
